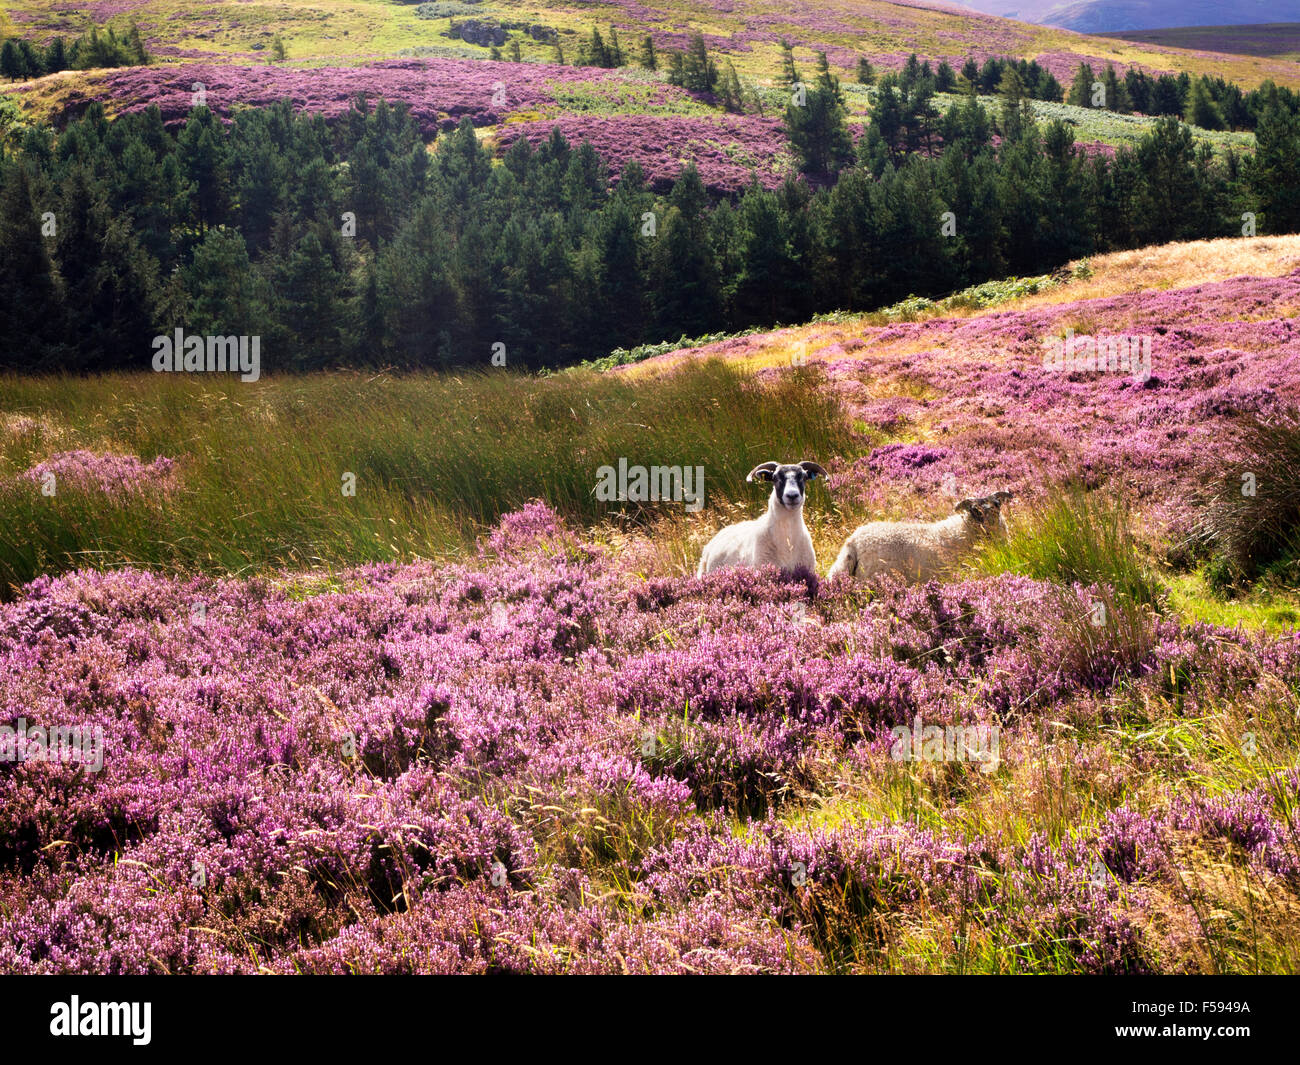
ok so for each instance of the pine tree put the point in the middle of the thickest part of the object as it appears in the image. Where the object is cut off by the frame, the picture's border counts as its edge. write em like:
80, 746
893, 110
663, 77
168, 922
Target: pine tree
1166, 98
817, 129
701, 72
1015, 108
1201, 108
56, 57
887, 116
1066, 229
866, 72
110, 285
1274, 173
594, 53
676, 69
1139, 86
730, 93
226, 296
1080, 93
1117, 98
767, 266
201, 152
990, 75
682, 280
910, 74
789, 77
649, 58
30, 304
12, 65
310, 302
135, 46
1167, 200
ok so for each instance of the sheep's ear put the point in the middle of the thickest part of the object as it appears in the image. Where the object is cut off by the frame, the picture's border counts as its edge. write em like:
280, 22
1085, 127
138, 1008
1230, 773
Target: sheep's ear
1001, 497
967, 505
762, 472
812, 470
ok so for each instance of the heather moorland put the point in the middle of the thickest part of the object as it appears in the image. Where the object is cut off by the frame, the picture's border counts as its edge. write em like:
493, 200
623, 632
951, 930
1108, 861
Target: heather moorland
326, 645
556, 751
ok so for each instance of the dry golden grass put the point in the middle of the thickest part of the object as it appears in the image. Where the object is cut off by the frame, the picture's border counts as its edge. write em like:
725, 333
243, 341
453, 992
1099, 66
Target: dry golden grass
1167, 266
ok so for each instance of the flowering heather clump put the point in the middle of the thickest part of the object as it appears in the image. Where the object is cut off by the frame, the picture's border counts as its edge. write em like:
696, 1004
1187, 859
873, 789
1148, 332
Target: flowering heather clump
507, 766
727, 150
105, 472
533, 523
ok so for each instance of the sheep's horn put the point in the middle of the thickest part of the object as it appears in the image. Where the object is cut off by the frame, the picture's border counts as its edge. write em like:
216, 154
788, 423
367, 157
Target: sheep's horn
762, 469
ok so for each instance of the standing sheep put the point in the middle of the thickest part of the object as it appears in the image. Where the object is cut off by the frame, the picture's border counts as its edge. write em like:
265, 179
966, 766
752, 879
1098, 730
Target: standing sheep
919, 550
779, 537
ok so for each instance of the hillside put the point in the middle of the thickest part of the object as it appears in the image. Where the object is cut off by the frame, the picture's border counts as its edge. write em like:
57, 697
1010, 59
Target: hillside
1102, 16
358, 463
1278, 40
960, 402
629, 113
354, 31
560, 753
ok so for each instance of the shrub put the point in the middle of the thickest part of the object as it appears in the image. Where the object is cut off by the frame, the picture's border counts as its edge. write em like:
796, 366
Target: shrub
447, 9
1250, 509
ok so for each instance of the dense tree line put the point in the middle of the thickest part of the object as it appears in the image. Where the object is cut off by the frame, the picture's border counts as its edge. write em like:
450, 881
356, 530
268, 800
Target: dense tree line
20, 59
1210, 103
351, 243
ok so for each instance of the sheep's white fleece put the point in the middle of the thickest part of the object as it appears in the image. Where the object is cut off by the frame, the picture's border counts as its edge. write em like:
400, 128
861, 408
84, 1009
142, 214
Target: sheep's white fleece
916, 550
778, 538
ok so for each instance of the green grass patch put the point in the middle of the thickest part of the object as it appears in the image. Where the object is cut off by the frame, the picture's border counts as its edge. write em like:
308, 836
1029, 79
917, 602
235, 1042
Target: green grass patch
1193, 596
1075, 537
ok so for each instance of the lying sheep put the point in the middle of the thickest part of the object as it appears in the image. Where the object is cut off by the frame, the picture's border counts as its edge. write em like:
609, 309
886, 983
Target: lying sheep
919, 550
779, 537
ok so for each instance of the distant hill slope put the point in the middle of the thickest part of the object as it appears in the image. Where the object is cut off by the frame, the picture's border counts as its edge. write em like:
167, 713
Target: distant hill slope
747, 31
1114, 16
1277, 40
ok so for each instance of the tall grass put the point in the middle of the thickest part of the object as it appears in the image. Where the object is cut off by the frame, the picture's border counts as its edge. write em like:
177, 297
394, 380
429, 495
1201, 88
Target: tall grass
1250, 513
436, 457
1075, 537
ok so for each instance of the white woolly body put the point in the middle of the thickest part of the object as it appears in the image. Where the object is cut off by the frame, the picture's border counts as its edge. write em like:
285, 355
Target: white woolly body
915, 550
778, 538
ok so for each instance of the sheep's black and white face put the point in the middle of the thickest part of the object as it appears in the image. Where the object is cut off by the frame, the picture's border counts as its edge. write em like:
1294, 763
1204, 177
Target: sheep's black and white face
986, 511
788, 486
789, 482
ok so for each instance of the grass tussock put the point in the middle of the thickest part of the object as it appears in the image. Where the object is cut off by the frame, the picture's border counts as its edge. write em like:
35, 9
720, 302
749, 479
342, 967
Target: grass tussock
1250, 515
1075, 537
